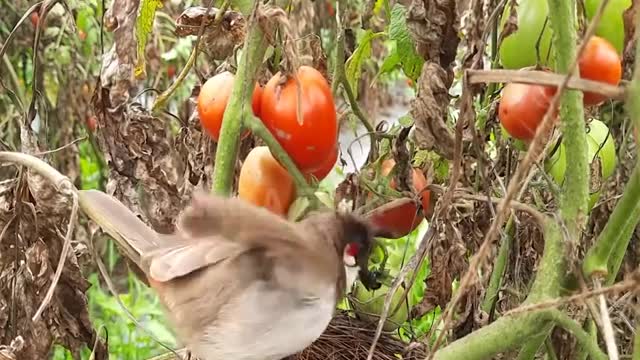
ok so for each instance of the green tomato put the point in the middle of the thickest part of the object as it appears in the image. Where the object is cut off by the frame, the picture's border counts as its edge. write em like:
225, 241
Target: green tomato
611, 26
369, 305
518, 49
600, 143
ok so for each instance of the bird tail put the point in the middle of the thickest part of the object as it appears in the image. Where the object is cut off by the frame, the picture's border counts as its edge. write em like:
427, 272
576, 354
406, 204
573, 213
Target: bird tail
132, 235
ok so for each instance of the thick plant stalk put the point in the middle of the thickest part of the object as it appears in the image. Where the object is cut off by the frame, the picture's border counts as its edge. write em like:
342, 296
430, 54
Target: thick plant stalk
239, 105
498, 268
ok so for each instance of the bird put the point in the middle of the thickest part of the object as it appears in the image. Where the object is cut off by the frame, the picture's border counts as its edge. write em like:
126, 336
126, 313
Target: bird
237, 281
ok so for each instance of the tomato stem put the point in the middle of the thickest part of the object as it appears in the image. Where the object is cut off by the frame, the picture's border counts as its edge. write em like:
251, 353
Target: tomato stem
257, 128
239, 106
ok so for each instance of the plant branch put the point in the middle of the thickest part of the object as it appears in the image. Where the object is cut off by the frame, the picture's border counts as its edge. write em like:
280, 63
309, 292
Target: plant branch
498, 268
582, 336
239, 105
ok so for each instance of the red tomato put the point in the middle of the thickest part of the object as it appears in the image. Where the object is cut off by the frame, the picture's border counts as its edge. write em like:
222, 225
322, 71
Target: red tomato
171, 71
212, 102
309, 144
92, 123
82, 35
34, 18
419, 183
600, 62
325, 168
330, 9
264, 182
395, 219
522, 108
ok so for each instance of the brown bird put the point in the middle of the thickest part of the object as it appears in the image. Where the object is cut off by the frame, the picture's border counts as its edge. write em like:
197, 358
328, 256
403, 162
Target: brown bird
237, 281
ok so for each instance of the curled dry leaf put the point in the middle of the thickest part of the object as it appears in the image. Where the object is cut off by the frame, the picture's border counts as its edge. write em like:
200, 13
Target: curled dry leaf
430, 111
218, 42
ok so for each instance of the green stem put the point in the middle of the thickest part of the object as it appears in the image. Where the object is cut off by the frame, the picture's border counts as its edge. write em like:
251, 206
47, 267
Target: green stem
606, 255
583, 337
590, 328
551, 353
257, 128
636, 345
499, 268
531, 347
239, 106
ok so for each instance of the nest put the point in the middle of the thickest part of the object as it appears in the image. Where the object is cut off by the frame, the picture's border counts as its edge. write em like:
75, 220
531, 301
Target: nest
348, 338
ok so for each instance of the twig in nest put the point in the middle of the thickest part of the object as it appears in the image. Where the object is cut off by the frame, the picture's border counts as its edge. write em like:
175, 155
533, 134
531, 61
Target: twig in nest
622, 286
533, 155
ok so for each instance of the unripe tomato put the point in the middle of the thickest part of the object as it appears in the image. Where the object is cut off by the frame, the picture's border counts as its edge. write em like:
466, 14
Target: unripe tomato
34, 18
522, 108
212, 102
518, 49
611, 26
325, 168
369, 305
419, 183
264, 182
600, 62
310, 143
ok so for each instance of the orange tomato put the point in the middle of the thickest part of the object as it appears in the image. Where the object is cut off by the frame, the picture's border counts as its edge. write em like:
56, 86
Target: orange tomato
522, 108
599, 62
92, 123
325, 168
34, 18
82, 35
264, 182
212, 102
419, 183
308, 144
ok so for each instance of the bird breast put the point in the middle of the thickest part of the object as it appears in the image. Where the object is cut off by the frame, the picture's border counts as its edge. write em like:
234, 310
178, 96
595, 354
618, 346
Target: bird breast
264, 323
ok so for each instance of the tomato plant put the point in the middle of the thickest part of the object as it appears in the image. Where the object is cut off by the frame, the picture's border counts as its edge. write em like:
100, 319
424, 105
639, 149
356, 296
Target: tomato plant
325, 168
522, 108
611, 26
601, 145
419, 183
600, 62
310, 142
264, 182
213, 98
518, 49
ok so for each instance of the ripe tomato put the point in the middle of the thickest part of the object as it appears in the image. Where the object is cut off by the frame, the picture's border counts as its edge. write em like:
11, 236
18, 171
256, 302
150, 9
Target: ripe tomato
34, 18
419, 183
212, 102
522, 108
611, 26
92, 123
171, 71
325, 168
311, 142
330, 9
82, 35
396, 218
264, 182
518, 49
600, 62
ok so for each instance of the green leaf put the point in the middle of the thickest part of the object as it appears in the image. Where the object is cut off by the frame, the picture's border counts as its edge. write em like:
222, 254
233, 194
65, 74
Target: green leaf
405, 120
144, 26
354, 63
244, 6
405, 48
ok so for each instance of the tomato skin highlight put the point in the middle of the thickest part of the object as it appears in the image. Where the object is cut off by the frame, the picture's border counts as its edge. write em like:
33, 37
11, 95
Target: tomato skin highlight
264, 182
599, 62
310, 143
522, 108
212, 102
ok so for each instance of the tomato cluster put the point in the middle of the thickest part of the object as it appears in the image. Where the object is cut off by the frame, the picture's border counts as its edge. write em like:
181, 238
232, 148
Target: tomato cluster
523, 106
311, 140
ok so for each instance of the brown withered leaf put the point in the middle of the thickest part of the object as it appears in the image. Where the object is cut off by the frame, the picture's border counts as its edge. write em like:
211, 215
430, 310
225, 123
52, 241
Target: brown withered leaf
430, 111
511, 24
630, 38
433, 25
218, 41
